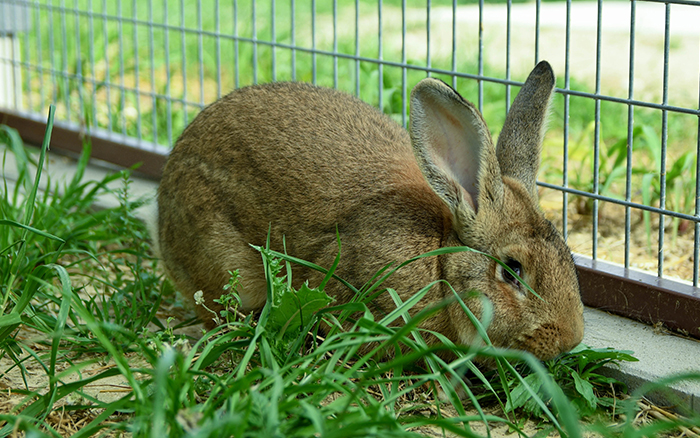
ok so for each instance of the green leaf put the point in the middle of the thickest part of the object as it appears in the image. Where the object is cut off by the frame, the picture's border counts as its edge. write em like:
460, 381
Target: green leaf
598, 354
653, 143
520, 395
291, 309
585, 388
10, 320
12, 223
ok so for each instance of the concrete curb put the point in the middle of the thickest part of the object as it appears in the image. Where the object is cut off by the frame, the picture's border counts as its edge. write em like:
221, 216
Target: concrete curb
660, 355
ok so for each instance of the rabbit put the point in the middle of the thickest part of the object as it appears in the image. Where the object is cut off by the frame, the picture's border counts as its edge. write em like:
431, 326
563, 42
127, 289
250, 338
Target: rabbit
304, 162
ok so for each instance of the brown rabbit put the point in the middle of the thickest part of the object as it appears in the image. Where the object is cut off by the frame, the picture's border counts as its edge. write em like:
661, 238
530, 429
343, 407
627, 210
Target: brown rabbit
303, 161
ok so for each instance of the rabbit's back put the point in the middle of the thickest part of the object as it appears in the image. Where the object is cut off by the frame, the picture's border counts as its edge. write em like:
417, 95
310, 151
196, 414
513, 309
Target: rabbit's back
301, 162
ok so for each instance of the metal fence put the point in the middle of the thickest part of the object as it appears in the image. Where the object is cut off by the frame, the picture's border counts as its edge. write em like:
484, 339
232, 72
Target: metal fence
620, 155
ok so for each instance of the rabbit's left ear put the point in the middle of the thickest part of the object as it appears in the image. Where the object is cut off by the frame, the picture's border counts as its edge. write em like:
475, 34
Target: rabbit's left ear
519, 143
454, 150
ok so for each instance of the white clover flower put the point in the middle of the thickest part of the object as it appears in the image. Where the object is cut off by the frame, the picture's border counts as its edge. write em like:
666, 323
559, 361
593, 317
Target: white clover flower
199, 298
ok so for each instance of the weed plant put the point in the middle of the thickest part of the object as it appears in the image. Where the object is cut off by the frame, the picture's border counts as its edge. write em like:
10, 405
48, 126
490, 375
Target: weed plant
82, 277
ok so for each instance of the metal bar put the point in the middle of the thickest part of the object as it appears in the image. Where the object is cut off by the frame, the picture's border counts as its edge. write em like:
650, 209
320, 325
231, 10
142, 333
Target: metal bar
122, 94
596, 143
404, 85
664, 140
480, 82
335, 43
380, 65
255, 44
168, 94
273, 37
509, 5
52, 53
315, 51
40, 62
236, 54
108, 79
200, 52
183, 49
537, 31
454, 44
357, 48
563, 91
79, 67
465, 75
64, 63
314, 71
293, 31
16, 83
217, 28
151, 56
567, 108
696, 243
17, 73
630, 138
27, 77
620, 202
137, 75
428, 61
6, 86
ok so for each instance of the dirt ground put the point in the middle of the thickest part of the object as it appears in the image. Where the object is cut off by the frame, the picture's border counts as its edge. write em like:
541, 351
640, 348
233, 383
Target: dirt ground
643, 253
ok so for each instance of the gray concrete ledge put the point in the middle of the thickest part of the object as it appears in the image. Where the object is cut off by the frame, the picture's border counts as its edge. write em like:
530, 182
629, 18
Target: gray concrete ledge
661, 354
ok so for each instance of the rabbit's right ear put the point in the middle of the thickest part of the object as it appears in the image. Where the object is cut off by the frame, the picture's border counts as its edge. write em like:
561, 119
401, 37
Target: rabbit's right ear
454, 150
519, 143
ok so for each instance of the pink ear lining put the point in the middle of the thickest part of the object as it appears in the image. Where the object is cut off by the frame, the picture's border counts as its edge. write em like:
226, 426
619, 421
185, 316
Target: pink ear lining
470, 199
452, 136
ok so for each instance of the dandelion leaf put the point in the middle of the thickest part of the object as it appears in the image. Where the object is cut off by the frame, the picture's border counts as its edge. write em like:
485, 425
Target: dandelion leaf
292, 309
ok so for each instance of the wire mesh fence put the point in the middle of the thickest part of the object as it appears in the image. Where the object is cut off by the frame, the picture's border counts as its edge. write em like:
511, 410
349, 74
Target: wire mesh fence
620, 170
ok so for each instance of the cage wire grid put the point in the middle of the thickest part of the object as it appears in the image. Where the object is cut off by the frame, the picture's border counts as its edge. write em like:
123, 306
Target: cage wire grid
126, 67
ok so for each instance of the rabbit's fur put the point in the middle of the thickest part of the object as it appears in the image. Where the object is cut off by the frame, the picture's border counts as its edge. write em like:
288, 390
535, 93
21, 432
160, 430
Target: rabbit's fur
303, 162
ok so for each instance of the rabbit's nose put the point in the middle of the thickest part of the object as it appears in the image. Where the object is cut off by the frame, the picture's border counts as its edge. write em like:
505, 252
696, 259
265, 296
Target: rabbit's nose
552, 339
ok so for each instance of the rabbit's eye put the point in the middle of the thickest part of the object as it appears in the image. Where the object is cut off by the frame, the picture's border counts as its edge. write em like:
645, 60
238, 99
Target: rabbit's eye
516, 267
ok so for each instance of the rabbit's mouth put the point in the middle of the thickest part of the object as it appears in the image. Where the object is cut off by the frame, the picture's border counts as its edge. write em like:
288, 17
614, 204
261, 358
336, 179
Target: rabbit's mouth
550, 340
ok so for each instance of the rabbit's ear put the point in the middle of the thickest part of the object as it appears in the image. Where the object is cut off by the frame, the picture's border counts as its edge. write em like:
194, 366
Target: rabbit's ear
519, 143
454, 149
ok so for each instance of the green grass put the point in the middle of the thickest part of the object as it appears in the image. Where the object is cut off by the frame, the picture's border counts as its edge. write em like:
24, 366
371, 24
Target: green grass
83, 280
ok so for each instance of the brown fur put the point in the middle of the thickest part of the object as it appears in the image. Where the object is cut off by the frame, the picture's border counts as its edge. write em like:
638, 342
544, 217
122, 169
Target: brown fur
301, 160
